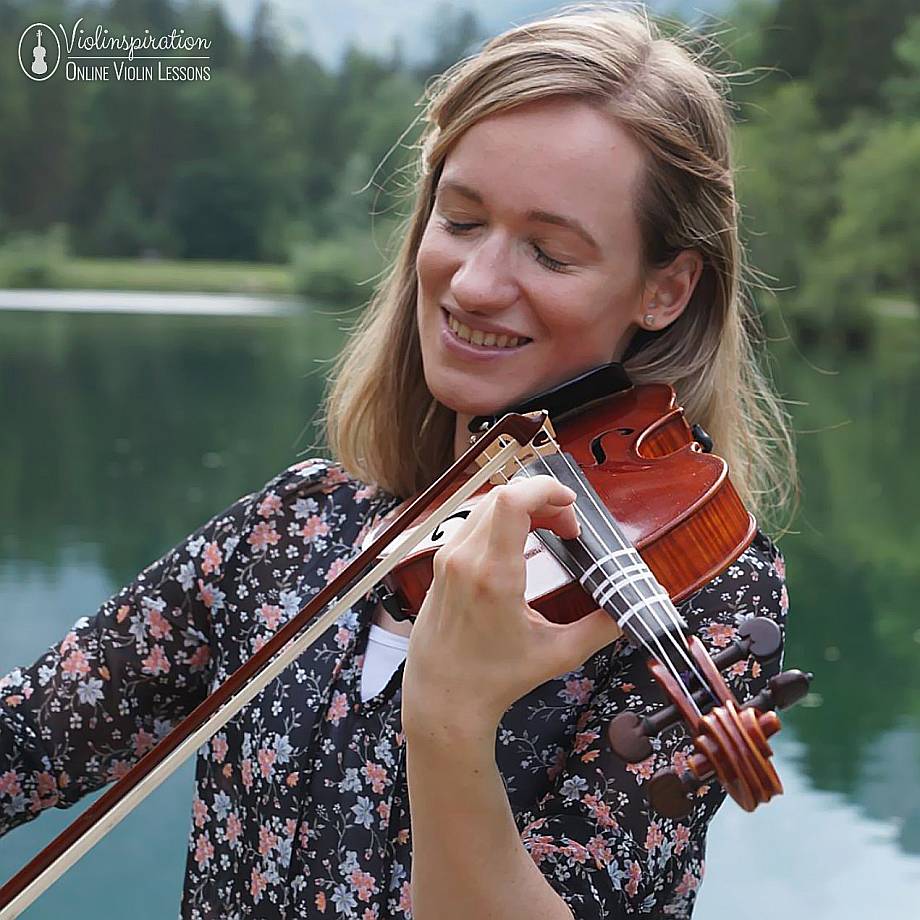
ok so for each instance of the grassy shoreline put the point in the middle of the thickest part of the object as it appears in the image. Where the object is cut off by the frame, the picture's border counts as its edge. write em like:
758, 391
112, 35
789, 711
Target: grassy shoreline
173, 275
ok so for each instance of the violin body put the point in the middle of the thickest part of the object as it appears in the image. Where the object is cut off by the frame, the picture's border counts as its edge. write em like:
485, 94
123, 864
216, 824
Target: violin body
674, 502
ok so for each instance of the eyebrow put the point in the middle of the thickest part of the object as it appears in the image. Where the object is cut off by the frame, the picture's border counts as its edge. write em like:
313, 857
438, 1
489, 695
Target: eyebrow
544, 217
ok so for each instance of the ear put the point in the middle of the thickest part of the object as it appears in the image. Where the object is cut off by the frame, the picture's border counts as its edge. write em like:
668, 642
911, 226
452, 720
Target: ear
669, 289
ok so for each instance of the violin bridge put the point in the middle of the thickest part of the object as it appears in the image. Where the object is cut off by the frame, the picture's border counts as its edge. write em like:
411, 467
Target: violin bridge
543, 444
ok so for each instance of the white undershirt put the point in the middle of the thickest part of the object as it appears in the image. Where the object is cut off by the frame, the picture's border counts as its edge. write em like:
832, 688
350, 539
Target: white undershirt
386, 651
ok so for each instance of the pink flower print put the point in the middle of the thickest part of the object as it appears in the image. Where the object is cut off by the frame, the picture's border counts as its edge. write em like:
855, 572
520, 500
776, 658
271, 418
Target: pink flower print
335, 569
204, 850
343, 637
333, 477
266, 759
599, 850
364, 884
376, 774
643, 769
199, 812
211, 596
263, 534
14, 700
681, 838
160, 627
337, 708
9, 784
383, 809
784, 600
654, 837
314, 526
738, 668
47, 786
219, 748
267, 840
305, 834
142, 741
370, 913
365, 492
269, 505
246, 770
211, 558
577, 691
600, 810
234, 829
257, 885
584, 740
719, 634
70, 641
575, 851
779, 566
156, 662
635, 874
293, 779
271, 615
200, 659
405, 899
320, 901
538, 845
76, 664
688, 883
118, 769
756, 669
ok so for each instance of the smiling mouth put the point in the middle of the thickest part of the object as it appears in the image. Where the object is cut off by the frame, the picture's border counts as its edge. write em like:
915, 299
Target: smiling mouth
484, 339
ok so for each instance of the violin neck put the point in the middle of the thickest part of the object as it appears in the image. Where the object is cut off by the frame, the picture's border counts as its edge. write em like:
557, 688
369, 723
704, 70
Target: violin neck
607, 564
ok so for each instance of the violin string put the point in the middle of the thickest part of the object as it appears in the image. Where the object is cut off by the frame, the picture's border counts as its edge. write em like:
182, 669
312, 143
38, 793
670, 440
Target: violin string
649, 579
661, 654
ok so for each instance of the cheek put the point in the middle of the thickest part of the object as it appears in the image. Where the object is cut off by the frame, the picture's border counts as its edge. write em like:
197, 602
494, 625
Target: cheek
433, 261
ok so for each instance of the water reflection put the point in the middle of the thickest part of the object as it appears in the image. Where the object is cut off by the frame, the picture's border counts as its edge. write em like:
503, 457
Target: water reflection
121, 434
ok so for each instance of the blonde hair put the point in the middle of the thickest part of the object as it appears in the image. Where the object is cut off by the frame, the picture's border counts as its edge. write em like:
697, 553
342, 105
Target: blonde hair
382, 422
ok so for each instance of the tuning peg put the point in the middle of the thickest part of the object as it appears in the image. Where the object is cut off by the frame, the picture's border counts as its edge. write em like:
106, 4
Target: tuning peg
628, 733
670, 794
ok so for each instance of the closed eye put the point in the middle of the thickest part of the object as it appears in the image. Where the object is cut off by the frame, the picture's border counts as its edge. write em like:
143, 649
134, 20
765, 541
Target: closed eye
458, 229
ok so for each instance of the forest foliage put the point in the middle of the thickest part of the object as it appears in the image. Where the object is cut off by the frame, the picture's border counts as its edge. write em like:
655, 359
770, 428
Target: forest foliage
278, 158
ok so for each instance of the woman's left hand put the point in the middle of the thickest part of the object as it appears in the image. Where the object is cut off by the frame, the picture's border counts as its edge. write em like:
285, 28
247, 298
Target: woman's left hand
476, 646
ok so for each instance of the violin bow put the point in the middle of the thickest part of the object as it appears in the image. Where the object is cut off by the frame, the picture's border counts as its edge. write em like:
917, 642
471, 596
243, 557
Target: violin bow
511, 434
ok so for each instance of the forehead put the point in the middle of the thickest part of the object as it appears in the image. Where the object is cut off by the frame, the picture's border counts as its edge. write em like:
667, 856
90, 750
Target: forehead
558, 155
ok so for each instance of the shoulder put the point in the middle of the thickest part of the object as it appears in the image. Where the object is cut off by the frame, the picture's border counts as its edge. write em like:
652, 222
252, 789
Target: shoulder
316, 501
316, 478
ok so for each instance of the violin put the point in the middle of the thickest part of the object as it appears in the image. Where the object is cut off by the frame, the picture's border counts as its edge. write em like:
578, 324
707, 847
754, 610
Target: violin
659, 519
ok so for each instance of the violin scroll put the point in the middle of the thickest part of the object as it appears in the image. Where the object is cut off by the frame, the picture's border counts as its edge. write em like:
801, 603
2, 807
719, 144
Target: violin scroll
730, 740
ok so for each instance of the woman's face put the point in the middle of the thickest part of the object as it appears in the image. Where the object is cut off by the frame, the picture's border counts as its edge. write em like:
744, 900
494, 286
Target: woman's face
528, 270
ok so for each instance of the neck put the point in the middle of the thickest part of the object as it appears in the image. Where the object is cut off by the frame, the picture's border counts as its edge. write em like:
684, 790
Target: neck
461, 434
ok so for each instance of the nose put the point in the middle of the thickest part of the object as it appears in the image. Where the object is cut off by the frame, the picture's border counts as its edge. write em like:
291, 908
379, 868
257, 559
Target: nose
484, 280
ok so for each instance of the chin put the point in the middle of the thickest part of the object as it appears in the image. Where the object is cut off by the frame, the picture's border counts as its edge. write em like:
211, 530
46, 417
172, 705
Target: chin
465, 400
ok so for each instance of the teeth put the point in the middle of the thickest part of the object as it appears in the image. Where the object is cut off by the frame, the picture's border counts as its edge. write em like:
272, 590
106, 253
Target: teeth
476, 337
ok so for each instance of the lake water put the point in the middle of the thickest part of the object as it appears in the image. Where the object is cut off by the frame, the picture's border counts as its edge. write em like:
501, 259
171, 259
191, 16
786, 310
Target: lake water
122, 433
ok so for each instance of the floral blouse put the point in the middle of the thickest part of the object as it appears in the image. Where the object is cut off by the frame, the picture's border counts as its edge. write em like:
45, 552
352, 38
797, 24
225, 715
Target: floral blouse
301, 806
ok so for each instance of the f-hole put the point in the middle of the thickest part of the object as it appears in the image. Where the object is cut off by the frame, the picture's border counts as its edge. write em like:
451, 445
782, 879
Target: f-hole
597, 447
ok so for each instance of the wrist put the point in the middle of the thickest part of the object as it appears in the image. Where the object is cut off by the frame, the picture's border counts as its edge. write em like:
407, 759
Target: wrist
449, 732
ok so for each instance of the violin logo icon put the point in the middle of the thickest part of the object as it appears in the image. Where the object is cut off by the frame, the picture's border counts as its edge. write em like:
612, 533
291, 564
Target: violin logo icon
34, 46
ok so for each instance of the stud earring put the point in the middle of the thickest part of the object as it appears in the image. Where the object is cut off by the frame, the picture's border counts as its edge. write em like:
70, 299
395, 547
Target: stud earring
649, 319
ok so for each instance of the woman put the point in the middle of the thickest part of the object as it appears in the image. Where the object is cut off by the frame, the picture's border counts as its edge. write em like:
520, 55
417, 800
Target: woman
574, 207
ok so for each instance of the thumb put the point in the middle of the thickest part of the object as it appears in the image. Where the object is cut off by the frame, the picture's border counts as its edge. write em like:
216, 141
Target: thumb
589, 635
